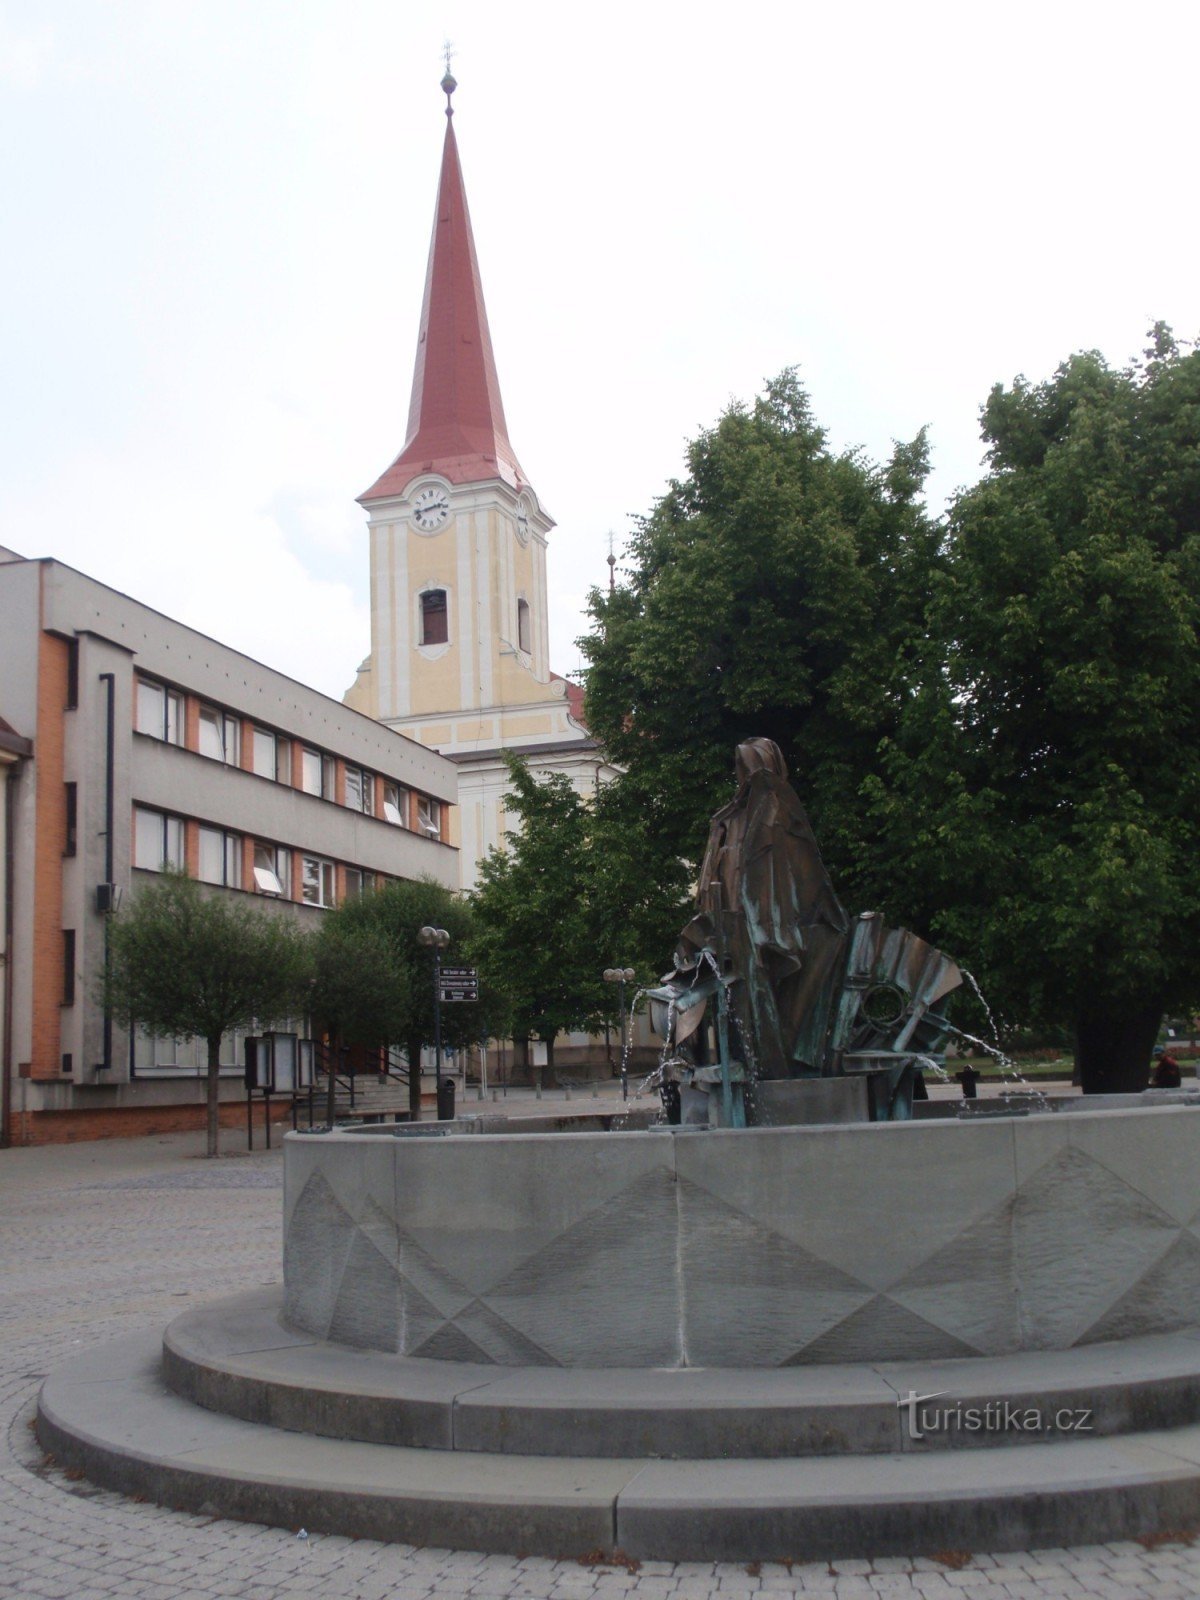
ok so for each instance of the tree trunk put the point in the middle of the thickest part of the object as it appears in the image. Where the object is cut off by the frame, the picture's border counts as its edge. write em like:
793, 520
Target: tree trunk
213, 1119
331, 1089
550, 1059
413, 1051
1112, 1050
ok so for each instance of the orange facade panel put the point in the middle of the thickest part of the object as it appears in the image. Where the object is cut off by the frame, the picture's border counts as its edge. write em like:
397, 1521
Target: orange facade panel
49, 840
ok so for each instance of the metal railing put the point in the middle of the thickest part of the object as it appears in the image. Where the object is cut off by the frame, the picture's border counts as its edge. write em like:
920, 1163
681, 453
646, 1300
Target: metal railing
390, 1067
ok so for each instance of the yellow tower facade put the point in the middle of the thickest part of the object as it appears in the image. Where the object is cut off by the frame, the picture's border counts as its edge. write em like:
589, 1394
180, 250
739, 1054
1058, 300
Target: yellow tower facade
458, 539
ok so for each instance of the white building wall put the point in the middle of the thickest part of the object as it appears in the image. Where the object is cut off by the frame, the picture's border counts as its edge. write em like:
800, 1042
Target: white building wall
115, 634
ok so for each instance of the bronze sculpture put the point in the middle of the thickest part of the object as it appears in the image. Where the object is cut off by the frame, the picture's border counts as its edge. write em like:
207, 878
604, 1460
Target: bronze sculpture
768, 910
773, 980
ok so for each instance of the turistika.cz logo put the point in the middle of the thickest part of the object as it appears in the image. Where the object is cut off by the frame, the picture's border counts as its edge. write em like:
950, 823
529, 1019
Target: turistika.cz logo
994, 1416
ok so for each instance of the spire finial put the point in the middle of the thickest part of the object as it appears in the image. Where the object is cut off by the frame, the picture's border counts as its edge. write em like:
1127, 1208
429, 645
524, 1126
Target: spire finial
449, 84
612, 564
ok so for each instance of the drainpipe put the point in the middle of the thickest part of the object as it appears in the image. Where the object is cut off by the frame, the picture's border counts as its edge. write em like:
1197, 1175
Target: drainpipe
6, 1061
110, 744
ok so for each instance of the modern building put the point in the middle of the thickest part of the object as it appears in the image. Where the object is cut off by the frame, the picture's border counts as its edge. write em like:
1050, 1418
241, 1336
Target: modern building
143, 744
459, 653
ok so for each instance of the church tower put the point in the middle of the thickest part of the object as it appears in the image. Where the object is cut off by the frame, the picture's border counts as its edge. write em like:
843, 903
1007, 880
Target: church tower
459, 626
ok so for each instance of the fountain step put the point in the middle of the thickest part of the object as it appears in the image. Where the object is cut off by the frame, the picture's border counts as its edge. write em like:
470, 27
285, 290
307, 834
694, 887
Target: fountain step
237, 1357
109, 1415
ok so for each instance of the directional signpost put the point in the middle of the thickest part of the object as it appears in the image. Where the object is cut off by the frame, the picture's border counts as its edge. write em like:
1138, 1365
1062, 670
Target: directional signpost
458, 984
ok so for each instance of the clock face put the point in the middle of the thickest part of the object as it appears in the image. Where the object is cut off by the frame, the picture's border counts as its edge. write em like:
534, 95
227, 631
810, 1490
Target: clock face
523, 522
431, 508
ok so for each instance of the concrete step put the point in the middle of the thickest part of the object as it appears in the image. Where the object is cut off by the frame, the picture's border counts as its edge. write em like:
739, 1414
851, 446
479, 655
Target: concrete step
109, 1415
370, 1095
366, 1088
371, 1099
238, 1357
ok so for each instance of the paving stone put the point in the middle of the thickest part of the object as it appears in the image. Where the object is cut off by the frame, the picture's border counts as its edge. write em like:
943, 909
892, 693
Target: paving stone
97, 1243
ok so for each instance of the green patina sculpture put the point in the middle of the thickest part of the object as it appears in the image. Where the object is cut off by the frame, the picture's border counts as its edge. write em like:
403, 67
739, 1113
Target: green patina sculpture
773, 980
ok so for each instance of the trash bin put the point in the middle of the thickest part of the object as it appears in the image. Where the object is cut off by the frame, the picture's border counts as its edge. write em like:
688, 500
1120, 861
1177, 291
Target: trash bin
445, 1098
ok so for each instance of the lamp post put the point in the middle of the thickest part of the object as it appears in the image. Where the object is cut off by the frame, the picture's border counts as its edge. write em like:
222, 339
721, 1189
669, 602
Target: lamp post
621, 976
437, 939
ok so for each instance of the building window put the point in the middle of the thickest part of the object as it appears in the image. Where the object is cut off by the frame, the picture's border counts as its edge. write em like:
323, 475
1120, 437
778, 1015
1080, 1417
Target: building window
523, 634
72, 828
434, 624
316, 881
220, 736
72, 675
273, 870
429, 817
272, 756
153, 1053
157, 840
159, 711
220, 858
395, 804
359, 883
317, 773
68, 994
360, 790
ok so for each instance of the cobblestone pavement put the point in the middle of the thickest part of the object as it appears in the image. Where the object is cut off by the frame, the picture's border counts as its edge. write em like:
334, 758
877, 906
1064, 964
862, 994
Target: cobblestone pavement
101, 1239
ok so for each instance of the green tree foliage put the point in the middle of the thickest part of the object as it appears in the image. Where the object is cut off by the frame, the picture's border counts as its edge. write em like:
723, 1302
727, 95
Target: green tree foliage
1043, 793
569, 897
185, 962
636, 896
360, 991
533, 937
777, 589
396, 913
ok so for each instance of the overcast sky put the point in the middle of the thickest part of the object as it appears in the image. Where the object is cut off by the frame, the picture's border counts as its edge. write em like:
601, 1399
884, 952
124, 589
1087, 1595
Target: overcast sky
216, 215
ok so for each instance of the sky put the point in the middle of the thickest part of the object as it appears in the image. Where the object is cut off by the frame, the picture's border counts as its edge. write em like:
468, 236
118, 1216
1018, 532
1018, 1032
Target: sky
216, 219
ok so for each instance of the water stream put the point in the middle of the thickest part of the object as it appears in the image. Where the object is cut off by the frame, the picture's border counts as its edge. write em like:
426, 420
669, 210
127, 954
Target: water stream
1006, 1064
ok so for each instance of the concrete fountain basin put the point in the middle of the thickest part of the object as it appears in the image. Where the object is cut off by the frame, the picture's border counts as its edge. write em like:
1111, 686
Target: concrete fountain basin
765, 1247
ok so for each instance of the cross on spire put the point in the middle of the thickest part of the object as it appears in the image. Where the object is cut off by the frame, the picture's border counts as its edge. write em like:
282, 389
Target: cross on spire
449, 83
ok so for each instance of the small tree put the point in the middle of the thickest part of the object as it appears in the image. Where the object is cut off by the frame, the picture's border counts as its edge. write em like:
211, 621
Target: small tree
396, 913
638, 894
184, 962
360, 991
534, 937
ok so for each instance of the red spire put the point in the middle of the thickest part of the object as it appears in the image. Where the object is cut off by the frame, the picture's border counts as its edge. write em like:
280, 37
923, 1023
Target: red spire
456, 418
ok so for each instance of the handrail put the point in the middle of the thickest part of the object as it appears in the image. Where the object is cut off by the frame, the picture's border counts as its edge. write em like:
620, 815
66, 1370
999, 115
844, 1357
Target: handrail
387, 1069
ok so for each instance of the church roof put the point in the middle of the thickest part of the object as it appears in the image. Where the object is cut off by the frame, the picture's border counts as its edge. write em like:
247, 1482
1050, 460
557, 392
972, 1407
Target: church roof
456, 421
575, 698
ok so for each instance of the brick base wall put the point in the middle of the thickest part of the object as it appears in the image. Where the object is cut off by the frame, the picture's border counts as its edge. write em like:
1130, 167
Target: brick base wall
133, 1122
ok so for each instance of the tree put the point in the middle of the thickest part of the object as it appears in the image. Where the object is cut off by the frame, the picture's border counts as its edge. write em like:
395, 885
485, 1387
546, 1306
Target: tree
532, 927
1045, 785
396, 913
636, 897
570, 896
778, 589
360, 991
186, 962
